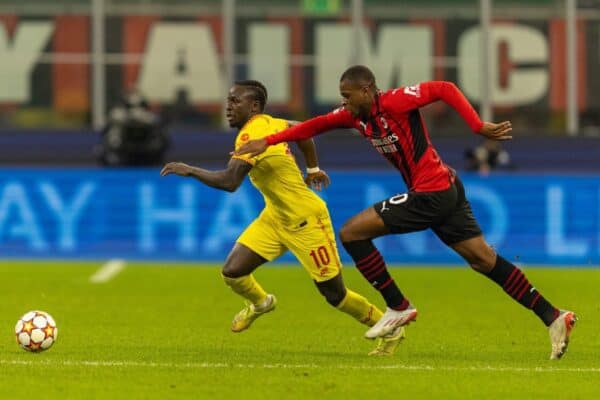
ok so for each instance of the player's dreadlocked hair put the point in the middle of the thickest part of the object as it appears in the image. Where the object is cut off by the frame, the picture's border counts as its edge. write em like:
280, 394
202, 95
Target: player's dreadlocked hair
260, 91
359, 73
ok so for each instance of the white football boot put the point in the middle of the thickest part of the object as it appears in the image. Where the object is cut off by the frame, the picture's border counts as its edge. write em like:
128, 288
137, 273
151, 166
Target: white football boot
559, 331
391, 320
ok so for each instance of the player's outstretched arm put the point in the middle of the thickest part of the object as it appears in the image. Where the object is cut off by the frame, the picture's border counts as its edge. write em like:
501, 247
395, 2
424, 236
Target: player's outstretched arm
496, 131
228, 179
315, 177
257, 146
301, 131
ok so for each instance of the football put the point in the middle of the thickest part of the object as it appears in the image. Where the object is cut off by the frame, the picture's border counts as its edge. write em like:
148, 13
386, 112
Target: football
36, 331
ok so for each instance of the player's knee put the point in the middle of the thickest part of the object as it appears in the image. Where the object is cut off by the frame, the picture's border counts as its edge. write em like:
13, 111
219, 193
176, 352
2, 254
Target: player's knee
481, 258
485, 268
351, 232
345, 234
477, 267
482, 265
334, 297
230, 271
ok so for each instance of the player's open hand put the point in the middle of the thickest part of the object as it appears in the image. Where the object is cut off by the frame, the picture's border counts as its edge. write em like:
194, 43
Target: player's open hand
318, 180
496, 131
253, 147
177, 168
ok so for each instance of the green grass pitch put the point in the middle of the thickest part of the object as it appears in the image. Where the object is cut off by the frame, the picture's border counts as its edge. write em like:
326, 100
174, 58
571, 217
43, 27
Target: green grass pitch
158, 331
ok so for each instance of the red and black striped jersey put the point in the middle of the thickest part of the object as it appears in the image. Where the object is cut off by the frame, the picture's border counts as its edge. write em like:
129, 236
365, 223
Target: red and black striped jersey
395, 128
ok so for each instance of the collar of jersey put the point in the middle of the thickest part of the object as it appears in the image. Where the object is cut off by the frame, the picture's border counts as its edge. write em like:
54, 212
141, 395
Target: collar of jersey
251, 119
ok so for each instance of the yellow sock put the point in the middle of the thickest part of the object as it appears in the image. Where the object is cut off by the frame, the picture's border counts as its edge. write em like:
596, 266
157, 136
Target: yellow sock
359, 307
247, 287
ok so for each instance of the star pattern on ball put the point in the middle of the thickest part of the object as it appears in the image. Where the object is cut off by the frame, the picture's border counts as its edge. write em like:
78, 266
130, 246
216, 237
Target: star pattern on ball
49, 331
28, 327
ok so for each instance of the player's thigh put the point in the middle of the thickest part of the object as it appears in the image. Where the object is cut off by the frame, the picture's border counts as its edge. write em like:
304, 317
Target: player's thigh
408, 212
315, 248
460, 224
262, 237
458, 227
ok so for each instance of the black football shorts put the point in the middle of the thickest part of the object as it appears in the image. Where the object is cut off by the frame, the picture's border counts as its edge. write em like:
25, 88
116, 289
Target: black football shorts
447, 212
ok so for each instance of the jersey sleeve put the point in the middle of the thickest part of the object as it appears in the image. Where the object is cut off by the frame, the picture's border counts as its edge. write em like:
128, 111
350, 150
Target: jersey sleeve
257, 129
411, 97
338, 118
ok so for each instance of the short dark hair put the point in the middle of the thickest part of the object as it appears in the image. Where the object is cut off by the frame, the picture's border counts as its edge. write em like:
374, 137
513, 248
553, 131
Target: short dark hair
358, 73
260, 91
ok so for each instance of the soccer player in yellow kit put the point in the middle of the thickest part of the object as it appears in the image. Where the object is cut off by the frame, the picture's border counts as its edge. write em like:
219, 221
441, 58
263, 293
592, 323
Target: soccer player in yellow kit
294, 217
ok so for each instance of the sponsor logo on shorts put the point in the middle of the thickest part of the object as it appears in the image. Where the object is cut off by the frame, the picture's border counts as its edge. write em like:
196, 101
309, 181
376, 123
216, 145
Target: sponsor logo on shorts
383, 207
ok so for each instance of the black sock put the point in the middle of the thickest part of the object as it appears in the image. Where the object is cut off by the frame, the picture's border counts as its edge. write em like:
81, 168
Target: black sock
515, 284
371, 265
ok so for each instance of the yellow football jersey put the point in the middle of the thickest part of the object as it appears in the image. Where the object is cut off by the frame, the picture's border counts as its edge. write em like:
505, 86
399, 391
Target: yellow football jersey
277, 176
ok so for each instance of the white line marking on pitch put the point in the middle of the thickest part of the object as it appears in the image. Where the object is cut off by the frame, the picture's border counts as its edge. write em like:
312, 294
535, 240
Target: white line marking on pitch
207, 365
108, 271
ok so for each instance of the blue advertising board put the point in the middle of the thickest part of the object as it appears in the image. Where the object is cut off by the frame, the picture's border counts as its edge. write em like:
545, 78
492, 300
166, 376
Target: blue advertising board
136, 214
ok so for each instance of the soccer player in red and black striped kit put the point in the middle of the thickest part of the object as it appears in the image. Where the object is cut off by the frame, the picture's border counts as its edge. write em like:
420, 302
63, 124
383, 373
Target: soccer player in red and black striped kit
391, 121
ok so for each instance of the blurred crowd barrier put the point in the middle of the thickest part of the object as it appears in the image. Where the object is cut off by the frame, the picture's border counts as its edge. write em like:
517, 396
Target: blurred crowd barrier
136, 214
338, 150
65, 63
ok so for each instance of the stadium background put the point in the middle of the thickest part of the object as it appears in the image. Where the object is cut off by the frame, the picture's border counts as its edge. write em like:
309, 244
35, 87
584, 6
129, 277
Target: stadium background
66, 64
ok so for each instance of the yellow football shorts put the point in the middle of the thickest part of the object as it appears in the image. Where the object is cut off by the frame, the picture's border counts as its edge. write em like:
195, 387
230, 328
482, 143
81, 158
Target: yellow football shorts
312, 242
